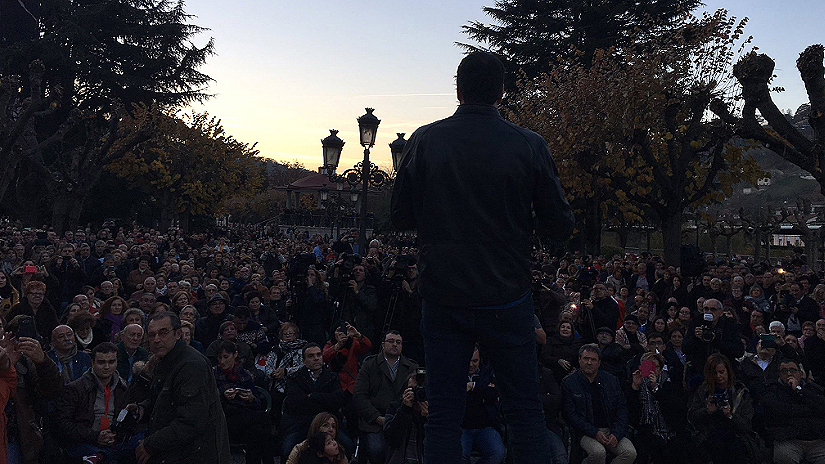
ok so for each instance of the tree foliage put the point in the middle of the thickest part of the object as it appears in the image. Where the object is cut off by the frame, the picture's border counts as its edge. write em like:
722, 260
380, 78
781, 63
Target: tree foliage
631, 127
74, 74
190, 165
535, 35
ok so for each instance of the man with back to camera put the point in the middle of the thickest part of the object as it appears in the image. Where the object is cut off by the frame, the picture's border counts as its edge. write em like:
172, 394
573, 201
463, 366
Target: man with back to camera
475, 185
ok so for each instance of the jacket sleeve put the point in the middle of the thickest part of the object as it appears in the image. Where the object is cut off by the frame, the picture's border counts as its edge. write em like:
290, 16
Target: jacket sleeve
396, 422
360, 395
553, 213
71, 430
572, 416
406, 192
191, 401
619, 426
49, 380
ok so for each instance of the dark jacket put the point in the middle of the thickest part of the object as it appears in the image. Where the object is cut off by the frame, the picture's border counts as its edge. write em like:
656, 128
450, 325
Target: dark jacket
755, 378
305, 398
558, 348
36, 384
207, 328
577, 405
124, 367
374, 389
550, 395
476, 234
480, 411
671, 401
81, 362
707, 424
44, 321
76, 408
794, 414
401, 422
725, 341
186, 420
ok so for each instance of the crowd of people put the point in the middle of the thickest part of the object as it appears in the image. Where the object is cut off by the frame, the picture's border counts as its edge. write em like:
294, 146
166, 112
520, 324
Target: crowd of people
127, 344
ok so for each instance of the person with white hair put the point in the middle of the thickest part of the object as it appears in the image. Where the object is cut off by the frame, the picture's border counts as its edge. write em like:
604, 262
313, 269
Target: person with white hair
777, 329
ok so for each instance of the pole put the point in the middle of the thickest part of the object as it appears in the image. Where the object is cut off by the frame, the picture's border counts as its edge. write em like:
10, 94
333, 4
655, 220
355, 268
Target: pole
365, 181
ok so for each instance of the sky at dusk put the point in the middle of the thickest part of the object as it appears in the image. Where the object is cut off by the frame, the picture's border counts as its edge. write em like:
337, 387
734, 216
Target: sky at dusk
287, 72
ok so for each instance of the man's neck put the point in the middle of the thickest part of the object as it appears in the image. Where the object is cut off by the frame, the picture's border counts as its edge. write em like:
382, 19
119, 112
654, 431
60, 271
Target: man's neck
130, 351
590, 377
391, 359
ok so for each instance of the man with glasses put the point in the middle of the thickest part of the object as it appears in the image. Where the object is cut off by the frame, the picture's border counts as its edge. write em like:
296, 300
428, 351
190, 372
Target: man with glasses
186, 420
713, 333
795, 417
381, 379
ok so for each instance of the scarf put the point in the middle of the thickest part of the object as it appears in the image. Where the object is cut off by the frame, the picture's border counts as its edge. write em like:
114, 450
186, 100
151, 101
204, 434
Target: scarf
66, 363
116, 321
651, 414
84, 342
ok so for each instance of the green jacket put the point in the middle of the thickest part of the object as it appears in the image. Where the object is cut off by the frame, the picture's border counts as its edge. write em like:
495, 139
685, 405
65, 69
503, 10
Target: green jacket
186, 421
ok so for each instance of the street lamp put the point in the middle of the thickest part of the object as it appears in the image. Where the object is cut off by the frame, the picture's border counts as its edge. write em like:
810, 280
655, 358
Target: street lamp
365, 172
333, 146
397, 148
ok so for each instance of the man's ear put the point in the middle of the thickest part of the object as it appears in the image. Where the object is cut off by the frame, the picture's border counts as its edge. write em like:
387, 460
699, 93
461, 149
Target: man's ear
500, 95
458, 95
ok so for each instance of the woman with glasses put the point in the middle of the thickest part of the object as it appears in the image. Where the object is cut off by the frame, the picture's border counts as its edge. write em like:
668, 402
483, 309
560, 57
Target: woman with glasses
35, 304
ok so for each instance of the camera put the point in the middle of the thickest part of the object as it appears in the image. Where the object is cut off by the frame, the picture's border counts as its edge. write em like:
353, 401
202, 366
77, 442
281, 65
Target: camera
420, 379
707, 328
124, 425
299, 265
348, 263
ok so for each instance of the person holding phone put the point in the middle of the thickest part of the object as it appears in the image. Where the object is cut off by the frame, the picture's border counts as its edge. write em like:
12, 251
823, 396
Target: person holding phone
38, 307
721, 412
657, 412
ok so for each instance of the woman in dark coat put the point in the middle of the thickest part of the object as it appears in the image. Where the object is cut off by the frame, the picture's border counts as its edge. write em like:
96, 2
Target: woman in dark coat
561, 353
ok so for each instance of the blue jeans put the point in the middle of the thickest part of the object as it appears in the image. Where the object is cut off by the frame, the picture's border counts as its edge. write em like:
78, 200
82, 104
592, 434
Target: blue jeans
508, 340
487, 441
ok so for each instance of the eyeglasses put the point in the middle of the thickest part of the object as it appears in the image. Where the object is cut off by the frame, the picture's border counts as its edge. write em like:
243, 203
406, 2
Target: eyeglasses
162, 333
290, 333
393, 342
36, 294
788, 371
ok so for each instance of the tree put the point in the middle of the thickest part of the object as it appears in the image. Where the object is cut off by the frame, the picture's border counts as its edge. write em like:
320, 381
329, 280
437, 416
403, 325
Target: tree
191, 167
633, 123
534, 35
99, 59
755, 71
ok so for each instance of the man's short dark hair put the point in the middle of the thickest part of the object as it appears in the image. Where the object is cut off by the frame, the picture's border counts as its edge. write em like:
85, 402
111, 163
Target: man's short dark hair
308, 346
173, 318
591, 347
391, 332
105, 347
655, 335
480, 78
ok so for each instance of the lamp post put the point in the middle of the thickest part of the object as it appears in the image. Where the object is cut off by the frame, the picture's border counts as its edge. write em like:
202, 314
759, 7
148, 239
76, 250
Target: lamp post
365, 172
335, 199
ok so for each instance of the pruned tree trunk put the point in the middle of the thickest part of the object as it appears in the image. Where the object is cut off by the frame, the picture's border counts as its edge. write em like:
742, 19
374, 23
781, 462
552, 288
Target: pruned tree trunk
672, 237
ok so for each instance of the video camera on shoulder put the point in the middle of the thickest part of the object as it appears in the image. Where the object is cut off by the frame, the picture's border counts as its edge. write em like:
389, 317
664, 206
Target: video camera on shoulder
349, 261
299, 265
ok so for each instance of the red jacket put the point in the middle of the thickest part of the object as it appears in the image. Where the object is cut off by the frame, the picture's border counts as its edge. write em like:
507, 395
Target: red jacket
345, 360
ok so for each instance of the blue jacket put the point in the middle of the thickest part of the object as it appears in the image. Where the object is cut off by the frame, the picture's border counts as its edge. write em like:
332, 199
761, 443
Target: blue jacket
475, 186
81, 362
577, 405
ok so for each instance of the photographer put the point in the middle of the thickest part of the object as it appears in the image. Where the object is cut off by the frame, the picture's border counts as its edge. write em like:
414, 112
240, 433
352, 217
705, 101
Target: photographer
479, 426
88, 410
711, 334
598, 311
68, 272
404, 423
403, 305
354, 299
